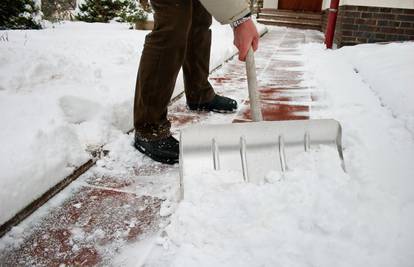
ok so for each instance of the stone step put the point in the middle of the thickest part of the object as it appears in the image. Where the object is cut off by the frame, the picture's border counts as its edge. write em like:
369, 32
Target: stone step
291, 23
285, 17
292, 20
292, 14
288, 18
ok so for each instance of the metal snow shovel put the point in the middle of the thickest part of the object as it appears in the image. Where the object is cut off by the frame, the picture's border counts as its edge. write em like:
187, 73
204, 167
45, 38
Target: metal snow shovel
253, 148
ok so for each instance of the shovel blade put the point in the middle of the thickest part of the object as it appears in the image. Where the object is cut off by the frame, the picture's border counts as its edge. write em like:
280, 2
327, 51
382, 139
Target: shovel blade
253, 148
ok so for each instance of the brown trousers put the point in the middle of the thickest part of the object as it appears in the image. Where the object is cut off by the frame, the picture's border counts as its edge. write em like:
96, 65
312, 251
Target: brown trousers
181, 38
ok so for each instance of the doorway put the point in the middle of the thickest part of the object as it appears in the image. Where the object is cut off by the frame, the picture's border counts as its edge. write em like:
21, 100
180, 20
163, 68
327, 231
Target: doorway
301, 5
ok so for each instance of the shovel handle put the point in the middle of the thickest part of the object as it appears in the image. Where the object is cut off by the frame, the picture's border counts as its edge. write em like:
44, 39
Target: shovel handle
252, 85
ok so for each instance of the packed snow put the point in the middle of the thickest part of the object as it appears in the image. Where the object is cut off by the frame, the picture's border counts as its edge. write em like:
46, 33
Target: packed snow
66, 91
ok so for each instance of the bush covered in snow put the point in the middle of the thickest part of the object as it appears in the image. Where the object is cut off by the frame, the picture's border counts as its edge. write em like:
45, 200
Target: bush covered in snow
133, 12
99, 10
107, 10
19, 14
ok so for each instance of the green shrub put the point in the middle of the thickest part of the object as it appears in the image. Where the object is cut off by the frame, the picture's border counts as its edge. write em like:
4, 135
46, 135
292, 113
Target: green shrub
133, 12
19, 14
107, 10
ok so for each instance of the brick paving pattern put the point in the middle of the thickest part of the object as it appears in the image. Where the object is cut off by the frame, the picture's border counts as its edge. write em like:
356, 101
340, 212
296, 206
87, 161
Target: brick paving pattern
119, 202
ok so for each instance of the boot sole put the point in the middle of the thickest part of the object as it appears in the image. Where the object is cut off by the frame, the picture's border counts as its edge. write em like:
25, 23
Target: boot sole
155, 157
213, 110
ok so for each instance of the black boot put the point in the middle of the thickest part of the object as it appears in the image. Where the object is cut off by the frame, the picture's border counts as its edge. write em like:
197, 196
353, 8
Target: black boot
164, 150
218, 104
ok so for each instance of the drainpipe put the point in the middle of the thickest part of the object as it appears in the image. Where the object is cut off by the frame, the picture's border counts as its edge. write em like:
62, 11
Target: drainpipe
330, 28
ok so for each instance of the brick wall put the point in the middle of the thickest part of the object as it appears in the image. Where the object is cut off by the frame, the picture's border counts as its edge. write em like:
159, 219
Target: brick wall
361, 24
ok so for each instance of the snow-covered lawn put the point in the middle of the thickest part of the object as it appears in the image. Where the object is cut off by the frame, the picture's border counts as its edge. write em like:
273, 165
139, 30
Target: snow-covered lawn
64, 91
316, 214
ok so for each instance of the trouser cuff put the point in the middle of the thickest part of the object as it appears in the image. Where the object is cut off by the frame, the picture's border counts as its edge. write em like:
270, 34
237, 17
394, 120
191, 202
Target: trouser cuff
151, 132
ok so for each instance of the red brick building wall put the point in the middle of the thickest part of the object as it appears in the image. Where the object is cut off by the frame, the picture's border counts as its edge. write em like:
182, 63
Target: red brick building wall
362, 24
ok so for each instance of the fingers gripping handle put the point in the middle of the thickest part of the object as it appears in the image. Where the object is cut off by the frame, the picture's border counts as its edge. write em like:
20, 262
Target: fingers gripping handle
252, 85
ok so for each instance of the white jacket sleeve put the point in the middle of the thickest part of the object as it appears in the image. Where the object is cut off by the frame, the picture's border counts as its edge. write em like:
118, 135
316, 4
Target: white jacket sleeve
227, 11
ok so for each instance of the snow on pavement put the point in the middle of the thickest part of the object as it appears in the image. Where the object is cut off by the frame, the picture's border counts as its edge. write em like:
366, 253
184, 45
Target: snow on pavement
65, 91
315, 214
116, 202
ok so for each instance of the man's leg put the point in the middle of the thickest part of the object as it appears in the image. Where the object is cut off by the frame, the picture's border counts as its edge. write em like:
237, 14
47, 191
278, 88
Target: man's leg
198, 91
162, 57
197, 60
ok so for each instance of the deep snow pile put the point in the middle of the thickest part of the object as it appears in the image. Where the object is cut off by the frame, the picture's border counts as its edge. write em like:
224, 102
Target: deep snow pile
65, 91
315, 214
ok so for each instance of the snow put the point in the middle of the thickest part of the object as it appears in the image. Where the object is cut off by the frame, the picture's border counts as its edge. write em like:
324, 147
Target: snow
315, 214
64, 92
388, 70
283, 222
379, 145
144, 248
69, 89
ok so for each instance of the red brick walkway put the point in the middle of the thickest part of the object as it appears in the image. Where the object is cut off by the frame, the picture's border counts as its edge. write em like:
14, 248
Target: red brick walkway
127, 197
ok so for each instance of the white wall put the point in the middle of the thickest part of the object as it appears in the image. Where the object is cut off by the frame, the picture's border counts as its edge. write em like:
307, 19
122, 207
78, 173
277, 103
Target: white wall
378, 3
270, 3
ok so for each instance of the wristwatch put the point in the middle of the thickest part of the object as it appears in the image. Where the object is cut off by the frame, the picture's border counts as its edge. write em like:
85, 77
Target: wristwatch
240, 21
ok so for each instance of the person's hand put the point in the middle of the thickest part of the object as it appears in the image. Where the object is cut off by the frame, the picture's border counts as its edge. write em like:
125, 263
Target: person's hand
246, 36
